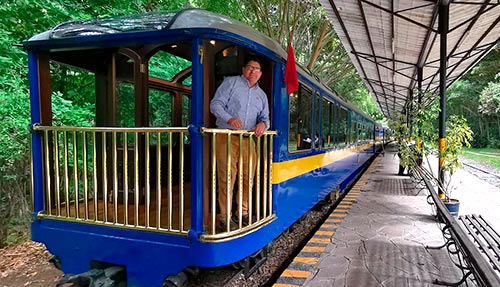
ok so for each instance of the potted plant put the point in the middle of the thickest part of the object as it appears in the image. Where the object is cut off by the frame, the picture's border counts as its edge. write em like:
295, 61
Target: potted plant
422, 116
399, 129
458, 135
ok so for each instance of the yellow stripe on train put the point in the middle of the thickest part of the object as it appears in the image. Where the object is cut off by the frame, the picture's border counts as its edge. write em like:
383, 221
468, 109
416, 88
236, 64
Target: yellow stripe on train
283, 171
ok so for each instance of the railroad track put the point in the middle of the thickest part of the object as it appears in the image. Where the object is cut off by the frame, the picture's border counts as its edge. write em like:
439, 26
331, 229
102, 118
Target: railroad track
482, 170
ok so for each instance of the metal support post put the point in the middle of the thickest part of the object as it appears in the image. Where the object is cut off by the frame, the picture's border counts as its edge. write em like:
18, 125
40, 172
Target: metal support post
444, 11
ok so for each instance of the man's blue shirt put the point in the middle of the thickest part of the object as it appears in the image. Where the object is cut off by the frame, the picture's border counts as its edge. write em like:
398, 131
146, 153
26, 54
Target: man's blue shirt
236, 99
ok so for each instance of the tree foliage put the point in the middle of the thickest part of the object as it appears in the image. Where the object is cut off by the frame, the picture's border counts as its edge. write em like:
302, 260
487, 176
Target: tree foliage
316, 46
464, 99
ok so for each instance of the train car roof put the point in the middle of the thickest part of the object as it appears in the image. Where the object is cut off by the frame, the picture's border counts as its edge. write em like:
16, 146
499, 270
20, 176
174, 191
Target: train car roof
86, 33
148, 22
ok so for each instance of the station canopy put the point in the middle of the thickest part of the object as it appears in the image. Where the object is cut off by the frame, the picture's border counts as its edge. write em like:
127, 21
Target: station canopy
387, 40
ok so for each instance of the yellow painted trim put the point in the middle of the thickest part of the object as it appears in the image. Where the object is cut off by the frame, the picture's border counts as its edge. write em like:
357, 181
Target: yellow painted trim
330, 220
320, 240
295, 273
442, 148
285, 285
347, 204
343, 208
327, 233
338, 215
326, 226
338, 220
283, 171
306, 260
313, 249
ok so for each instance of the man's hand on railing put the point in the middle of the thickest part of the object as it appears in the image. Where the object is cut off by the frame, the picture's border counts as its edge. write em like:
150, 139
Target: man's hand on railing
259, 129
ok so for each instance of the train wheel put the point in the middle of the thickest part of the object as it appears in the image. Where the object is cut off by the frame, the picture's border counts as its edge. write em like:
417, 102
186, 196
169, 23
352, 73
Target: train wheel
56, 262
181, 278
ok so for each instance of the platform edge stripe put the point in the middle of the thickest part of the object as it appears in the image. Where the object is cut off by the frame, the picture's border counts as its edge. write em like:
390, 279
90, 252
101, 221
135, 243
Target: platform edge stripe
334, 220
340, 210
328, 226
320, 240
306, 260
289, 273
321, 232
284, 285
313, 249
346, 204
343, 209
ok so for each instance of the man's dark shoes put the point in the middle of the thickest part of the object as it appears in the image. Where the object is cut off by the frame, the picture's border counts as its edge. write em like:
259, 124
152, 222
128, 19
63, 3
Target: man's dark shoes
222, 226
244, 219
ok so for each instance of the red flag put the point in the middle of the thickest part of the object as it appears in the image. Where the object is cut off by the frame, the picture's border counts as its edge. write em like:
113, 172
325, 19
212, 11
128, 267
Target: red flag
291, 78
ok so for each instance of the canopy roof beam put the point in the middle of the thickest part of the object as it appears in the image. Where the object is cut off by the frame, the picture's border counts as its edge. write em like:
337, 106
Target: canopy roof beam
389, 41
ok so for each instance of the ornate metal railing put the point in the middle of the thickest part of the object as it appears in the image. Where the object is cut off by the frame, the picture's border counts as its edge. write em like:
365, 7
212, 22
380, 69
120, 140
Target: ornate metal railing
259, 193
126, 177
138, 178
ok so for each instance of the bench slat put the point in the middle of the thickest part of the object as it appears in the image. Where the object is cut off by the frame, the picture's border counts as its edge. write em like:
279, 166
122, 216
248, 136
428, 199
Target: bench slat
492, 232
486, 244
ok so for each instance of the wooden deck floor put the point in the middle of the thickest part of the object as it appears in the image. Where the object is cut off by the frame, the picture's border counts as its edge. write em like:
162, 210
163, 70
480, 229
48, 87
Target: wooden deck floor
143, 214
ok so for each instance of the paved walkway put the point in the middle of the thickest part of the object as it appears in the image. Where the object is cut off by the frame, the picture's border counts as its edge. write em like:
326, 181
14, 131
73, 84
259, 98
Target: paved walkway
381, 241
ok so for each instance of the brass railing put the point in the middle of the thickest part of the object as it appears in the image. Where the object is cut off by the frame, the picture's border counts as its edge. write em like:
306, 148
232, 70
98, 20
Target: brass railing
260, 208
133, 178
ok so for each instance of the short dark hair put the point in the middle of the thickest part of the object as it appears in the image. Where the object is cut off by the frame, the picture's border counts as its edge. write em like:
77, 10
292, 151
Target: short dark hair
253, 58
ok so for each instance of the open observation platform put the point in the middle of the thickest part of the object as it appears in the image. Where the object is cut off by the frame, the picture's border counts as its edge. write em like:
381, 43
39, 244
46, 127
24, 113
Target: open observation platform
378, 235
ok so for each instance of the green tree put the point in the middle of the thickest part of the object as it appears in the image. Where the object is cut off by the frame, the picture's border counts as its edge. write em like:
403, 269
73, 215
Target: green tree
489, 106
20, 20
463, 98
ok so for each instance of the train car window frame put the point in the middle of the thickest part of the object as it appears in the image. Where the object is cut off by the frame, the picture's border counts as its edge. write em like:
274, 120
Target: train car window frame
317, 128
300, 119
328, 123
342, 127
169, 73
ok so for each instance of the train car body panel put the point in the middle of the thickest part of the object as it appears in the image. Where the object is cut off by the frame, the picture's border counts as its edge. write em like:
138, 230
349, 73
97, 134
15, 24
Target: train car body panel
143, 196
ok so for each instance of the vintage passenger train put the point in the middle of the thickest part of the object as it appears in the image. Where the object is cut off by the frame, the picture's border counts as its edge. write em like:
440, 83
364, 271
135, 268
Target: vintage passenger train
134, 185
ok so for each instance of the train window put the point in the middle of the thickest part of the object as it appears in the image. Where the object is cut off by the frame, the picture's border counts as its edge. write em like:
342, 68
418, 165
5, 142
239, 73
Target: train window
328, 130
166, 66
317, 121
342, 127
186, 110
354, 132
161, 111
226, 64
125, 104
169, 86
300, 120
76, 85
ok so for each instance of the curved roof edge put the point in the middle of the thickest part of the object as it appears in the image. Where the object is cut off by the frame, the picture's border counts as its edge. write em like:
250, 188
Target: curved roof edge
152, 22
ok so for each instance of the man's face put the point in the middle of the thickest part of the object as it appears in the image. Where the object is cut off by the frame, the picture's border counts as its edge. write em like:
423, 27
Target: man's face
252, 72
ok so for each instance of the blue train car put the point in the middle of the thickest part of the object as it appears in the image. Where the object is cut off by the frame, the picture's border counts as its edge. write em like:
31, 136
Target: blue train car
133, 183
